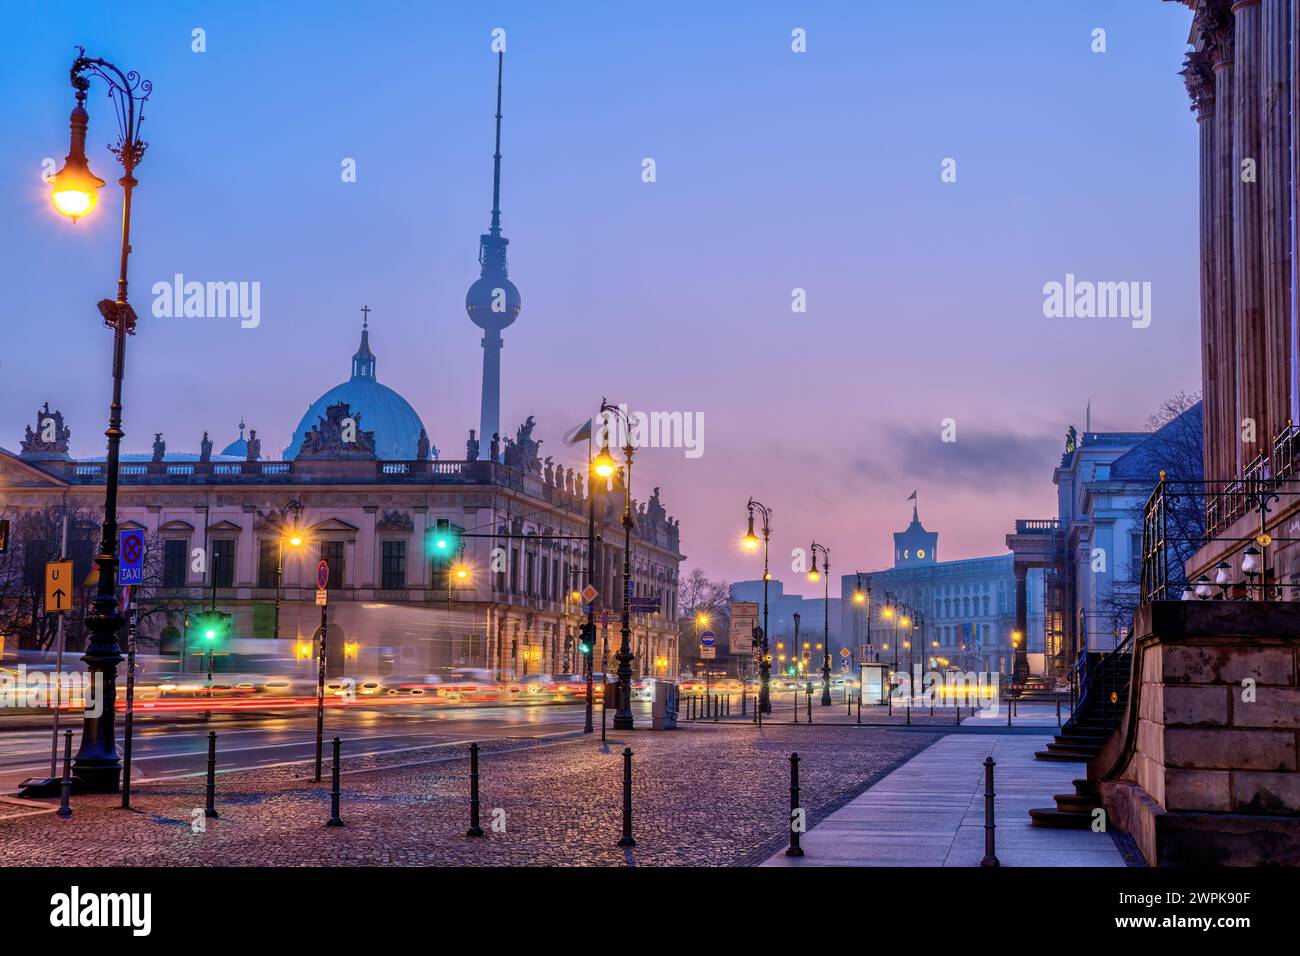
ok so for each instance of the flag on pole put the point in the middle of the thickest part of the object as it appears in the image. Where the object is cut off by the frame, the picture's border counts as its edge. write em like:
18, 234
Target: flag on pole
578, 434
912, 496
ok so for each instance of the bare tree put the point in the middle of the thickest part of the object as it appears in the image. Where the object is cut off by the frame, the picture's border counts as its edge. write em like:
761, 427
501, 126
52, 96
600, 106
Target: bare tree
1176, 447
36, 538
698, 594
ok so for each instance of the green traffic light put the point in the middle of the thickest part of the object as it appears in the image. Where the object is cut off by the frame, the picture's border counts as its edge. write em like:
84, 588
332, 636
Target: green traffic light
210, 634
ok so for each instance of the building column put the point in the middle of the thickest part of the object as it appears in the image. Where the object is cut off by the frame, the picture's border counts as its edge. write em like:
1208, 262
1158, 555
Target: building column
1217, 42
1020, 666
1198, 73
1247, 226
1275, 192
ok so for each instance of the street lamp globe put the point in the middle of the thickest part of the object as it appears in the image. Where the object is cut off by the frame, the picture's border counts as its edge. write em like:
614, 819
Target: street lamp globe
604, 463
74, 188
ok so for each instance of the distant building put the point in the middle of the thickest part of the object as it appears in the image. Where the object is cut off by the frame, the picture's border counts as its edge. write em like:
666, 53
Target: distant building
1091, 552
965, 610
782, 608
216, 527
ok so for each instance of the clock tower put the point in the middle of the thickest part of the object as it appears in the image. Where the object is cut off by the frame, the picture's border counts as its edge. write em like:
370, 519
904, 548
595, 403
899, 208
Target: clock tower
915, 546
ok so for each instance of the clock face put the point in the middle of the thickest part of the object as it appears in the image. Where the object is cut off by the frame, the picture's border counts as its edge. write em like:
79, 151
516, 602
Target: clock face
920, 552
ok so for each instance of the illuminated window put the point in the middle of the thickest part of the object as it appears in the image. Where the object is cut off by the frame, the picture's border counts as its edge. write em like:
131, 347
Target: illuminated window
920, 552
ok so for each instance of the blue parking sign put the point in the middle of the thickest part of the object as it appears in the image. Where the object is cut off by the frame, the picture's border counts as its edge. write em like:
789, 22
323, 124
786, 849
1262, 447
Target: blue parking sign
130, 557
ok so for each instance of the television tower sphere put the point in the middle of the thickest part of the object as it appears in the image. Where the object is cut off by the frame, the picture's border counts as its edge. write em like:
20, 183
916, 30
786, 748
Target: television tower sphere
493, 303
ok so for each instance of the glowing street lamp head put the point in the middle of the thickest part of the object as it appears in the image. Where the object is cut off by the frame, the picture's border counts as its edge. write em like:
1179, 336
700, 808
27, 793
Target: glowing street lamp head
887, 613
702, 620
295, 541
814, 575
859, 598
74, 189
750, 540
604, 463
462, 572
904, 621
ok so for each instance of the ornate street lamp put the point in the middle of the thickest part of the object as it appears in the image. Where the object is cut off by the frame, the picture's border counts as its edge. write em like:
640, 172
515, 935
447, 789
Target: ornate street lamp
750, 541
295, 541
605, 466
73, 193
826, 615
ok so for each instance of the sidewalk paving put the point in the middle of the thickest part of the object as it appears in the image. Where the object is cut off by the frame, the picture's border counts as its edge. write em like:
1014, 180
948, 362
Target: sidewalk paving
930, 812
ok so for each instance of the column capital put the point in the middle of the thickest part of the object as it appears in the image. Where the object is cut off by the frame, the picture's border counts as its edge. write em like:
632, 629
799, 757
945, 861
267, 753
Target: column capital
1198, 74
1214, 25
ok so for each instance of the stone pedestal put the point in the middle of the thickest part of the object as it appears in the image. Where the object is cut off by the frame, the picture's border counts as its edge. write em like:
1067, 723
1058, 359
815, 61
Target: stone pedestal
1208, 773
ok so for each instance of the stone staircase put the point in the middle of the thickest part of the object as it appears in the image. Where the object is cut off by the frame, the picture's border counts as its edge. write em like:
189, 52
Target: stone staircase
1082, 738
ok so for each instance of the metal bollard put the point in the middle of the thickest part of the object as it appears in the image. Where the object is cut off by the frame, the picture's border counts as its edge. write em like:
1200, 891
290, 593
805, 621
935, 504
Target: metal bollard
717, 706
474, 829
859, 705
758, 712
990, 857
626, 839
794, 849
1009, 702
64, 809
1058, 711
210, 810
810, 708
334, 820
909, 706
796, 705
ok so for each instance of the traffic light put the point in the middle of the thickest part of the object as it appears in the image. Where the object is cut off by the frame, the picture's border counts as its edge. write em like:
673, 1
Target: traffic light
446, 539
214, 628
586, 638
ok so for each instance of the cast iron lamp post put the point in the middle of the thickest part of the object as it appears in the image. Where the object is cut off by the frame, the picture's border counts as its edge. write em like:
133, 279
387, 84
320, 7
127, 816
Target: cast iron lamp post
826, 615
74, 192
295, 540
764, 659
605, 466
863, 598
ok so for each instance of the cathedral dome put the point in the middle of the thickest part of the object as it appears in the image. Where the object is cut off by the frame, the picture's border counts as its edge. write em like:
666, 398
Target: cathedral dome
381, 410
237, 448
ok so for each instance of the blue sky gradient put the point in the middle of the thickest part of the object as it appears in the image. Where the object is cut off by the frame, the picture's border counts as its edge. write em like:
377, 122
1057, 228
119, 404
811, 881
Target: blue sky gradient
775, 170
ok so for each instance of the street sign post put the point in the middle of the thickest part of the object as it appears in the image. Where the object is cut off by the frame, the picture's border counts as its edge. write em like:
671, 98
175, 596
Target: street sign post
322, 586
130, 557
708, 653
708, 639
58, 587
589, 594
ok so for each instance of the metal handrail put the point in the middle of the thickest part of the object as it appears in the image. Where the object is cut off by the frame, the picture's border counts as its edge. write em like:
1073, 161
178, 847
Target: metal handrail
1258, 491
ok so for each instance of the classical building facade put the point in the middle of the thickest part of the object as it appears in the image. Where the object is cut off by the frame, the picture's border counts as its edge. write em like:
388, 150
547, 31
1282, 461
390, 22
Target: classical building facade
1241, 73
220, 527
965, 609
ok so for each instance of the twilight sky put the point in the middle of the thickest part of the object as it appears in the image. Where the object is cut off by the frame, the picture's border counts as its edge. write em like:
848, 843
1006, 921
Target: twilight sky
775, 171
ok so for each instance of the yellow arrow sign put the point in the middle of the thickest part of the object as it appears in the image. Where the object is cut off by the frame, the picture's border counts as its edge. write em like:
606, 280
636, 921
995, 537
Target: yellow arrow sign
58, 587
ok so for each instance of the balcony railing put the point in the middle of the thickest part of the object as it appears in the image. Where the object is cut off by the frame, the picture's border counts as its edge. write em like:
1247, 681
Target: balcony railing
1037, 525
1181, 517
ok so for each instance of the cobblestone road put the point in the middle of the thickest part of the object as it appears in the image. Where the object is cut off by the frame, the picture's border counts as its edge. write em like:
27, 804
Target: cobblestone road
706, 795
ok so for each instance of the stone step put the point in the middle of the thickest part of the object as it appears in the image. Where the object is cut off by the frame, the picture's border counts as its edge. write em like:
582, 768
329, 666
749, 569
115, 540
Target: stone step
1059, 820
1073, 803
1084, 749
1061, 757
